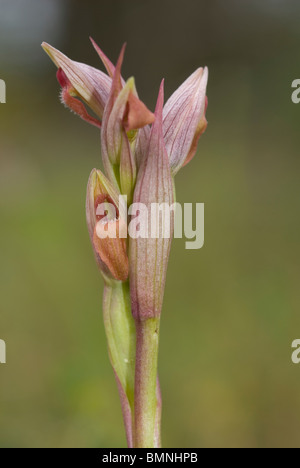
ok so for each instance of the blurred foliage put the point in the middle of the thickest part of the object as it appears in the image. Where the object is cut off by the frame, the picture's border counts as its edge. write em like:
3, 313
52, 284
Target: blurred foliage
231, 309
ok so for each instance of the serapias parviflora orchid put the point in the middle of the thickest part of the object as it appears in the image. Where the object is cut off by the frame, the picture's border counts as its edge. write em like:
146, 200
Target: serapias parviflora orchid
141, 153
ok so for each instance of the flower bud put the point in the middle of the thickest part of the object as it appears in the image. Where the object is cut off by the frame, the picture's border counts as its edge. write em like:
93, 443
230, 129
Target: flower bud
107, 226
124, 113
184, 119
149, 256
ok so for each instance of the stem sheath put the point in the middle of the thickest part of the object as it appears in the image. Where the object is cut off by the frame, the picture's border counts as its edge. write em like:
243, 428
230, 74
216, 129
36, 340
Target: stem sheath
120, 332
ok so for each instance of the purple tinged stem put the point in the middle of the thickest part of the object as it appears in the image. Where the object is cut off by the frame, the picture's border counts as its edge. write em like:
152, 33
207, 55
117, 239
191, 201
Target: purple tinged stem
149, 260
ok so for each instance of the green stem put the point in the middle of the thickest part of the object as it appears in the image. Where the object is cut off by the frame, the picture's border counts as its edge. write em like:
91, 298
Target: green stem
120, 332
145, 400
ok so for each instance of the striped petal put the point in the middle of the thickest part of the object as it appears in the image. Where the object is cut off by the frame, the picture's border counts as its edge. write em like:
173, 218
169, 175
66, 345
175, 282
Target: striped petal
88, 83
184, 119
149, 256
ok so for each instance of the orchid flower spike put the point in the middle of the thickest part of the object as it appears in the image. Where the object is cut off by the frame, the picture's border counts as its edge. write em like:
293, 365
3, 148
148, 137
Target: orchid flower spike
141, 154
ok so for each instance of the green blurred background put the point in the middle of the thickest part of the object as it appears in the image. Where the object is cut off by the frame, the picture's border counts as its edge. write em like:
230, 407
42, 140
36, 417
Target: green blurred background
231, 310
